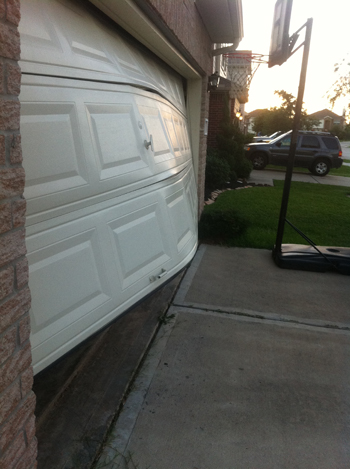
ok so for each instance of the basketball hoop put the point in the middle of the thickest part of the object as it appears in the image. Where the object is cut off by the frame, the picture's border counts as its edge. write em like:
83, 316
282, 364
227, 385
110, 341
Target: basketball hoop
241, 67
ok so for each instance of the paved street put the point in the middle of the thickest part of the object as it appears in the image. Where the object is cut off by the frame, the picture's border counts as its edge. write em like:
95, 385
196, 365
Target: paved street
250, 372
346, 150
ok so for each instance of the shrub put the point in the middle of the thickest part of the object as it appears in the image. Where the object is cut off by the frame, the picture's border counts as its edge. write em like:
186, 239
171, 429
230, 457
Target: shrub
243, 167
217, 171
220, 225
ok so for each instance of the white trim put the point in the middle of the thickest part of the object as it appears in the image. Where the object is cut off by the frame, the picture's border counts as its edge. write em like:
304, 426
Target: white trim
134, 21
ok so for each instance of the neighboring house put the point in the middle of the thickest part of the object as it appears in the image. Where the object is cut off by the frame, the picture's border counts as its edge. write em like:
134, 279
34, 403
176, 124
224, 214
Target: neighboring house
114, 103
250, 117
327, 119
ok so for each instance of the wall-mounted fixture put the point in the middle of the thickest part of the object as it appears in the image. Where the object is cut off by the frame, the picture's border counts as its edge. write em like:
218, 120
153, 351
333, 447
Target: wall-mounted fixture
213, 81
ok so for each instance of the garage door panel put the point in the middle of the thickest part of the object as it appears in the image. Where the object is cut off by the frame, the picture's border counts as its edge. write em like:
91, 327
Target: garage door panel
50, 136
86, 270
69, 277
140, 244
63, 38
37, 31
117, 139
91, 141
180, 217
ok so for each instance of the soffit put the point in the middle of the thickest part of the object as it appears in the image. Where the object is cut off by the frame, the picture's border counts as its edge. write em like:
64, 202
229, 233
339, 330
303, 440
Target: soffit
223, 19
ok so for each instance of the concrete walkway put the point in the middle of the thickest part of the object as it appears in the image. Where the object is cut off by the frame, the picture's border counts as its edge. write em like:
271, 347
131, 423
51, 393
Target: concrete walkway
251, 371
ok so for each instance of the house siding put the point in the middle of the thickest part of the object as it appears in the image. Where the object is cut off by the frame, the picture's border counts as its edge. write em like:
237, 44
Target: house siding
18, 446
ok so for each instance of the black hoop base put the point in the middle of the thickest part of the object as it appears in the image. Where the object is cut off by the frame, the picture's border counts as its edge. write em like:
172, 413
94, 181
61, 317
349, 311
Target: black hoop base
302, 257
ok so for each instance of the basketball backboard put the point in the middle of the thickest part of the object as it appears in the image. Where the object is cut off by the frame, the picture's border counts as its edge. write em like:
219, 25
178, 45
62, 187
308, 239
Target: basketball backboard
279, 46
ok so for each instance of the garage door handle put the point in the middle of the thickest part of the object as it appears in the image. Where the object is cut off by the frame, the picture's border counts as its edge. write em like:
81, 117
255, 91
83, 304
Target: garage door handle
150, 143
156, 277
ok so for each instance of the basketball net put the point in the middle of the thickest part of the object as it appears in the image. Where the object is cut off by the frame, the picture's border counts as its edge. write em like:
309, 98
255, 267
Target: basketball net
241, 67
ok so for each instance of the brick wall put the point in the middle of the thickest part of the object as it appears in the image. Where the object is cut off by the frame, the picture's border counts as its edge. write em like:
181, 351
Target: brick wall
216, 115
18, 445
185, 23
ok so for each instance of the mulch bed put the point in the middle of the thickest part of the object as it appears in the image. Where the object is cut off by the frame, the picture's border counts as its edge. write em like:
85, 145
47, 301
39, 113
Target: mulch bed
210, 195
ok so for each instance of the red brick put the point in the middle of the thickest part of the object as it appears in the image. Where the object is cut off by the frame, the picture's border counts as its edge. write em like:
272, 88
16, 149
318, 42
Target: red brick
2, 8
27, 381
9, 400
8, 344
14, 308
5, 217
2, 149
28, 459
12, 246
13, 77
14, 453
15, 423
7, 278
6, 282
9, 42
29, 428
9, 113
13, 11
22, 273
19, 213
14, 366
15, 150
2, 78
24, 329
11, 182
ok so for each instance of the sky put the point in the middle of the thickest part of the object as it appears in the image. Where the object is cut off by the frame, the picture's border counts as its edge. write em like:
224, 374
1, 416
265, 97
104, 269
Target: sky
330, 42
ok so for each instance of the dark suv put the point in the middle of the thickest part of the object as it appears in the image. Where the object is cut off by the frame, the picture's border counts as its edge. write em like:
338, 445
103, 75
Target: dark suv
317, 151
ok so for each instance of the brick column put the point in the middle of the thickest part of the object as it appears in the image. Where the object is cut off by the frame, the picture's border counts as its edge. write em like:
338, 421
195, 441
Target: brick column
202, 145
18, 446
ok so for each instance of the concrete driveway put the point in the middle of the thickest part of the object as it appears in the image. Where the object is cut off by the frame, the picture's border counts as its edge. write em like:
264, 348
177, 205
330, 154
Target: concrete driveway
249, 371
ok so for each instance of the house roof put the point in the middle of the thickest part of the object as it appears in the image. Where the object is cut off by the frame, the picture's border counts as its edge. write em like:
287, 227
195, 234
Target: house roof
255, 113
325, 113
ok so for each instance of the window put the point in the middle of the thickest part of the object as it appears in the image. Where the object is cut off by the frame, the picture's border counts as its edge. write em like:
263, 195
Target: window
285, 142
310, 142
331, 143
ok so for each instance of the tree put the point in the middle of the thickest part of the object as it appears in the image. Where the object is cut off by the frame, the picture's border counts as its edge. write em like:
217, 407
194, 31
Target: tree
281, 118
341, 87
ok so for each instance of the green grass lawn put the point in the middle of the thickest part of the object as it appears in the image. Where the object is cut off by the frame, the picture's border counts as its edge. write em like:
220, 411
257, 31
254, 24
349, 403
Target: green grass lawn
320, 211
342, 171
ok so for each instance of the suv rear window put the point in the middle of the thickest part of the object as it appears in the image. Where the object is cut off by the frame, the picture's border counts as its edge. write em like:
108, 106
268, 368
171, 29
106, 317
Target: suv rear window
310, 142
331, 143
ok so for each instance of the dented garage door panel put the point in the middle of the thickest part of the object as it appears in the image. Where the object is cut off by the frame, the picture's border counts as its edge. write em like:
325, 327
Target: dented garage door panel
110, 186
89, 142
88, 267
62, 38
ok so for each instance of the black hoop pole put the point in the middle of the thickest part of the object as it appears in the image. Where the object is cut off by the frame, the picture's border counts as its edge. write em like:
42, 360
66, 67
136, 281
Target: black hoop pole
294, 138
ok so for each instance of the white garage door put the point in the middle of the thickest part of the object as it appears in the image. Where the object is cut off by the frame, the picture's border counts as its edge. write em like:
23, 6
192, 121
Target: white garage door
112, 209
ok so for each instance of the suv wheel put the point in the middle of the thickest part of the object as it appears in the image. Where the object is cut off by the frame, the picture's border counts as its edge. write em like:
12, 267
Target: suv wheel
258, 160
320, 167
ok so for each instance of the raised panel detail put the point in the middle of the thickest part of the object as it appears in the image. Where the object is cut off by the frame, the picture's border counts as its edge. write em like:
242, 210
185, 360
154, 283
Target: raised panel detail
36, 28
139, 243
171, 132
116, 138
65, 281
53, 152
179, 215
154, 125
